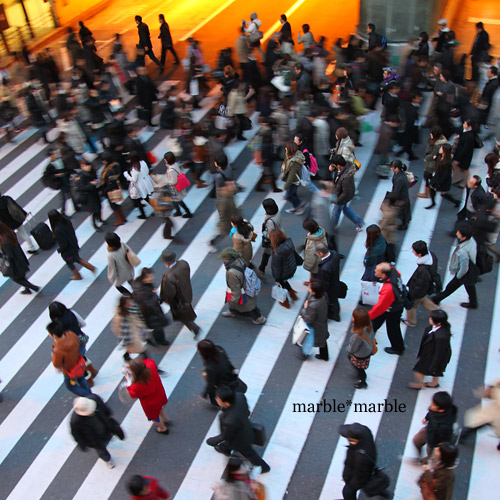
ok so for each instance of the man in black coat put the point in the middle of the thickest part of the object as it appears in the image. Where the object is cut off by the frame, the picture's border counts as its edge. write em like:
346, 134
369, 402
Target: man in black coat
488, 92
464, 152
479, 51
412, 124
329, 274
146, 93
391, 101
92, 426
145, 41
13, 216
286, 30
166, 41
236, 429
400, 194
475, 198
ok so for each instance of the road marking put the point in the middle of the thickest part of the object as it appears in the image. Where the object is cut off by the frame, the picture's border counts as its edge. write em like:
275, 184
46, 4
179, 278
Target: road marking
276, 25
207, 20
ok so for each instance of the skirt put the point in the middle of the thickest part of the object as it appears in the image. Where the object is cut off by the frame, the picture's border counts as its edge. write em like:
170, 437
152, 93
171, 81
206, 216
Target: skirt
362, 363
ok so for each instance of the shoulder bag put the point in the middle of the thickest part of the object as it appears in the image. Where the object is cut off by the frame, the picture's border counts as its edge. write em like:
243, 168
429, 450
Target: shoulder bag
373, 345
378, 482
131, 256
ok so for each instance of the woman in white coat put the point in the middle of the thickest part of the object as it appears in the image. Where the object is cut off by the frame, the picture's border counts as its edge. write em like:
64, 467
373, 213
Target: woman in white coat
141, 184
172, 179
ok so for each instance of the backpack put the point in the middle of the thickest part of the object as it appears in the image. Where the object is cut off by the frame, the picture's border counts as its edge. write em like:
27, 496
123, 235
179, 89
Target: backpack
15, 211
484, 260
312, 163
251, 283
400, 290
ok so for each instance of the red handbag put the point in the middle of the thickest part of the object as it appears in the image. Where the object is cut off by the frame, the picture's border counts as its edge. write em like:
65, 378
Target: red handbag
151, 157
182, 182
78, 370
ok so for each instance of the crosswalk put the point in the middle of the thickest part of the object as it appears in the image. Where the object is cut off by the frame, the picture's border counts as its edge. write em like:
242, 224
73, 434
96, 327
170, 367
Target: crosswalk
39, 459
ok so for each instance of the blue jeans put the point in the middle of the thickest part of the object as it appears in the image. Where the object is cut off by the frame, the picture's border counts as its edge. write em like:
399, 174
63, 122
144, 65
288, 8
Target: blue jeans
291, 195
348, 212
78, 386
308, 344
312, 187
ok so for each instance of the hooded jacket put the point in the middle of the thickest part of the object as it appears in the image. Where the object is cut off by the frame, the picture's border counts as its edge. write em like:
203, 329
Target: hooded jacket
421, 280
283, 263
344, 187
292, 169
439, 427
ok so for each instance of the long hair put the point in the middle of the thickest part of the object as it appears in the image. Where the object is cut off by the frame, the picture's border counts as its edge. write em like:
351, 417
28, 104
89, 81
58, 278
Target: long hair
241, 226
291, 149
277, 236
491, 160
57, 219
123, 305
360, 321
56, 310
141, 373
439, 317
373, 232
145, 272
7, 235
208, 351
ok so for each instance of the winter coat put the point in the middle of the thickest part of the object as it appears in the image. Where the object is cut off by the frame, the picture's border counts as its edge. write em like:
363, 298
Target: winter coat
460, 263
307, 39
74, 135
242, 49
176, 291
292, 169
441, 181
316, 316
319, 210
439, 427
146, 91
165, 36
374, 256
431, 153
149, 304
311, 260
67, 244
235, 281
5, 215
119, 268
329, 274
283, 261
235, 490
360, 459
421, 280
18, 263
236, 103
173, 172
465, 149
243, 245
344, 187
130, 330
152, 394
486, 413
270, 222
359, 347
345, 148
65, 351
321, 137
226, 208
388, 223
141, 180
400, 187
218, 373
434, 353
88, 194
110, 177
442, 480
156, 492
235, 425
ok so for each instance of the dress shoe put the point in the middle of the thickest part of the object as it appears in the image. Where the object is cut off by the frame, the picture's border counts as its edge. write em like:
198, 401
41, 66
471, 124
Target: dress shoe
390, 350
301, 355
265, 468
318, 356
360, 385
468, 305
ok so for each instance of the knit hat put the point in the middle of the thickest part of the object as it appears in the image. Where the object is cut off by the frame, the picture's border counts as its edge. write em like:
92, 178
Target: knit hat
253, 16
167, 256
84, 407
229, 253
443, 22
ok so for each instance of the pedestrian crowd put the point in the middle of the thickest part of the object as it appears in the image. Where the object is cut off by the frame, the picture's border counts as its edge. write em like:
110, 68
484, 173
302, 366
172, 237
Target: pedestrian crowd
311, 121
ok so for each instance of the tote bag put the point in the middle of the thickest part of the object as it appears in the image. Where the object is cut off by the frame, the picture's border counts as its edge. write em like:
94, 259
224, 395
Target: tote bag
279, 293
300, 331
369, 293
182, 182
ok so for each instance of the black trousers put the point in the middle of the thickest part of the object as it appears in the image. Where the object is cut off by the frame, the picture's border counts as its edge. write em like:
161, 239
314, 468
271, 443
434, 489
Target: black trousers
349, 493
249, 453
24, 282
164, 50
393, 325
148, 51
333, 308
453, 286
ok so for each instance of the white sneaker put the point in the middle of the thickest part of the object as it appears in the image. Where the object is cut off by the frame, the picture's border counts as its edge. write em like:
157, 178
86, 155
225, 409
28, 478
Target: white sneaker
360, 227
228, 314
259, 321
291, 211
300, 210
110, 464
212, 249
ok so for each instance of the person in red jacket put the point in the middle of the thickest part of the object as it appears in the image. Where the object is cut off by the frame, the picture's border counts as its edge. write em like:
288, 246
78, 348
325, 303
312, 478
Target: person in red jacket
145, 488
389, 307
144, 383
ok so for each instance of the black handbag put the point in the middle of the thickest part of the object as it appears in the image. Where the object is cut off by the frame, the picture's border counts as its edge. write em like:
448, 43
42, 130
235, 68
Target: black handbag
342, 290
378, 482
259, 434
298, 259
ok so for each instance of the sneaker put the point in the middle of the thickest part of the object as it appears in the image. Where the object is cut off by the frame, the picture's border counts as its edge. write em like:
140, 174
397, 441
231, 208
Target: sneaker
110, 464
259, 321
291, 210
360, 227
212, 249
228, 314
300, 210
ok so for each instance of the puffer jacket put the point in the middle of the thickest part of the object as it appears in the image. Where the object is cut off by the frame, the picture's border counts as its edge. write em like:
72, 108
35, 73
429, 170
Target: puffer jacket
284, 263
420, 282
431, 153
292, 169
243, 245
65, 351
344, 187
346, 148
311, 260
462, 256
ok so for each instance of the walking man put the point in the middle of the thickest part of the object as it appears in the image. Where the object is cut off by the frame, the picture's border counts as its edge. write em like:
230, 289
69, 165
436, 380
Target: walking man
166, 41
145, 41
176, 290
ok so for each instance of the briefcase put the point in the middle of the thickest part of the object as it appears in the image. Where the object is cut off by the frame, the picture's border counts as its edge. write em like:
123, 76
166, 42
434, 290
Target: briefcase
259, 434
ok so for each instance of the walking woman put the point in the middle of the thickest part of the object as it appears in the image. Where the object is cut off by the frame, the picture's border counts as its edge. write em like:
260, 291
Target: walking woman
67, 244
15, 264
241, 234
283, 263
173, 172
128, 325
218, 370
291, 175
436, 140
434, 353
272, 220
141, 185
438, 480
376, 249
144, 383
361, 344
120, 269
149, 303
441, 181
89, 197
111, 187
236, 483
315, 234
315, 315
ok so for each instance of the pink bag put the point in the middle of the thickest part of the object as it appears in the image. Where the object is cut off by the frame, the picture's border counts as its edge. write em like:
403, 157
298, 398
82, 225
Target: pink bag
182, 182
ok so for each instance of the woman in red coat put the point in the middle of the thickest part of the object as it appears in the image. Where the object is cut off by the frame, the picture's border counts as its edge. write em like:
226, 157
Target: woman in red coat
144, 383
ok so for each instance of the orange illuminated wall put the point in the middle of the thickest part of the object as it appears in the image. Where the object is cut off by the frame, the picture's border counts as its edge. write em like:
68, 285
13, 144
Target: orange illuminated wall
70, 11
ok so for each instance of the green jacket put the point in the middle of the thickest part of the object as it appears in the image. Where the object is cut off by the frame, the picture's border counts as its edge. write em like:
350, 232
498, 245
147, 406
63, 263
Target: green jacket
292, 169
